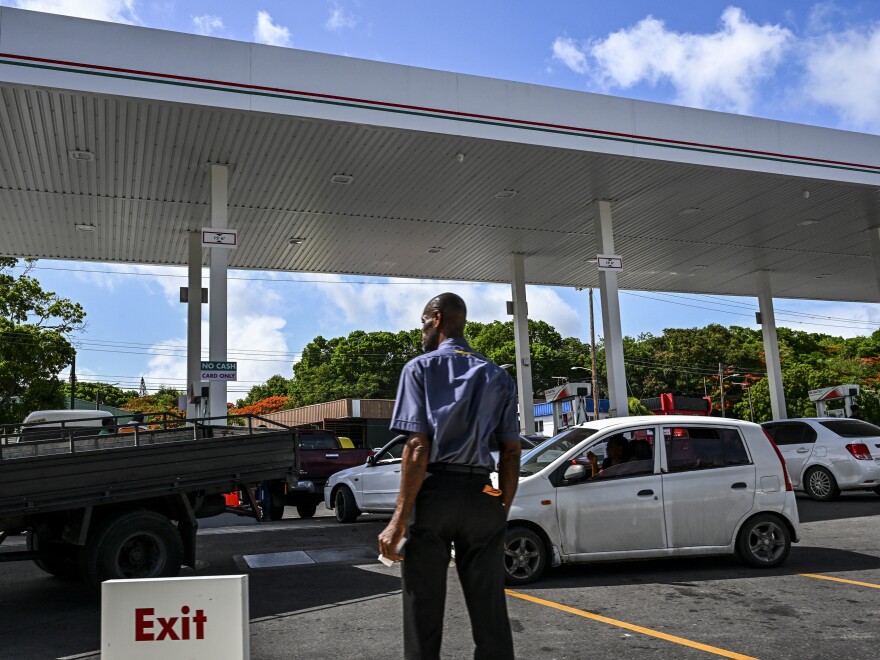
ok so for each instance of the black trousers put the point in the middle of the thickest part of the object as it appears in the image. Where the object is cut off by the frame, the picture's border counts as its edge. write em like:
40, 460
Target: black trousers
452, 507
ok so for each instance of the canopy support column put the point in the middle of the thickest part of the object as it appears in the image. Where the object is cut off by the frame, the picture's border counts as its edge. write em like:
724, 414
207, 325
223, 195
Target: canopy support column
194, 325
217, 306
771, 345
618, 402
875, 248
521, 341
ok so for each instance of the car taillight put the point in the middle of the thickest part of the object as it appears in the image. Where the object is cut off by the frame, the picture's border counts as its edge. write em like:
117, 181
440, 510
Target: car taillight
860, 451
781, 460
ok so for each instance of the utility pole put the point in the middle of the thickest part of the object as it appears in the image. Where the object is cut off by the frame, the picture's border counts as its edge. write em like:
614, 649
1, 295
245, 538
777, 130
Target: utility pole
143, 390
594, 383
721, 389
72, 381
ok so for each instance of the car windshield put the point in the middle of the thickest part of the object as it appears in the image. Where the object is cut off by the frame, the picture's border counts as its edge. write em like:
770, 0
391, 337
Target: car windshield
539, 458
852, 428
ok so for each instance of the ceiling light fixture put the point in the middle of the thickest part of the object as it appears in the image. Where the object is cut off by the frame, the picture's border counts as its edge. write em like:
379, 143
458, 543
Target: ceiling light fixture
690, 210
81, 155
505, 194
699, 267
341, 179
295, 241
435, 250
807, 223
459, 157
84, 227
806, 194
822, 276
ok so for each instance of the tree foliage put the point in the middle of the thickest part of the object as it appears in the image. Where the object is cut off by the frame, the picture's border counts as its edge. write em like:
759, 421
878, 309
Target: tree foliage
104, 393
164, 400
264, 406
35, 329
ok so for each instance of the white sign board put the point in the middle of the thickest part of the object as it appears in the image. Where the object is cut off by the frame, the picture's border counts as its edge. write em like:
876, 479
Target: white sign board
175, 618
609, 262
219, 238
219, 371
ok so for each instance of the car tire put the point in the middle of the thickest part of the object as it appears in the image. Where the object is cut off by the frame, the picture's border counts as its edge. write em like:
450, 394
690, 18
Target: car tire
821, 485
346, 508
306, 510
276, 510
525, 556
63, 560
134, 545
763, 541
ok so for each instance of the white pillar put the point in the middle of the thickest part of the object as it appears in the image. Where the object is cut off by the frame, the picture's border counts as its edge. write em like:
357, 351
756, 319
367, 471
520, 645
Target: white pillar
771, 345
217, 289
618, 402
521, 341
194, 324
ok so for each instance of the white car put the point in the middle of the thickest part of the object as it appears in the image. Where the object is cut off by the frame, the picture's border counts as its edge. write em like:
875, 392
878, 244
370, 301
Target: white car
827, 455
373, 486
712, 487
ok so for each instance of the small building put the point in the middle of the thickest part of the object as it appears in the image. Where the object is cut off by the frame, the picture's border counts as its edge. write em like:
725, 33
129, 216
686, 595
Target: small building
365, 421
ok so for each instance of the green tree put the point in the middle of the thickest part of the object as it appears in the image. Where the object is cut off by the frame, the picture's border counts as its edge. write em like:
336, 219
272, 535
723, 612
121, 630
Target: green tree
276, 386
102, 392
35, 329
164, 400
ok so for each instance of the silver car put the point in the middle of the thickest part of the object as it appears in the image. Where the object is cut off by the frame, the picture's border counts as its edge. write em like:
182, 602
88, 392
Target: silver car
826, 455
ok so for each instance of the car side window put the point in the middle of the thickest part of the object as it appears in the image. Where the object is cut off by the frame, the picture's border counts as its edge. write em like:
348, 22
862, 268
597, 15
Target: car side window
632, 457
791, 434
392, 454
703, 448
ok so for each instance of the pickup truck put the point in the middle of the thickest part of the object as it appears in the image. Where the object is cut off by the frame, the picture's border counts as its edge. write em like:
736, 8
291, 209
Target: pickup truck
320, 455
105, 505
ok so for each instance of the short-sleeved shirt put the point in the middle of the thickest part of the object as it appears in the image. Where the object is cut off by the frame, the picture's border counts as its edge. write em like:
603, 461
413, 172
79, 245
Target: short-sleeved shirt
459, 399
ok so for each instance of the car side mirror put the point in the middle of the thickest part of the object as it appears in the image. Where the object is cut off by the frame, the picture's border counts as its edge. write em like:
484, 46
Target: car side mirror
575, 473
371, 460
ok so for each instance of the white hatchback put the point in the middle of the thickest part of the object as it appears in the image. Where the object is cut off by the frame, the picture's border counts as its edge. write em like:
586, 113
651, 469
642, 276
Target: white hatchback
826, 455
711, 487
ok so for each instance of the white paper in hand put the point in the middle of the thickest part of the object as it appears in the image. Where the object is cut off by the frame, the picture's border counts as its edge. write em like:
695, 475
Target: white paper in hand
389, 562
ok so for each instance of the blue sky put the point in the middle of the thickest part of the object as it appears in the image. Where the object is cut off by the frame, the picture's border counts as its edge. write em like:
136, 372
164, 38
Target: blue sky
810, 62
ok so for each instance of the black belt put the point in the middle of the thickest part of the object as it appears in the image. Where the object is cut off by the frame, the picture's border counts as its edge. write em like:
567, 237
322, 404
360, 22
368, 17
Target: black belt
439, 468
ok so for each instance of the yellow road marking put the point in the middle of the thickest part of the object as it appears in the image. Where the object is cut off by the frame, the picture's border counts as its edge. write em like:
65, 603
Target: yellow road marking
630, 626
836, 579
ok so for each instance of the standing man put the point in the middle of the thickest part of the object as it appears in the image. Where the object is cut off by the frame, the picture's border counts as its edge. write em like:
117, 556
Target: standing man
450, 401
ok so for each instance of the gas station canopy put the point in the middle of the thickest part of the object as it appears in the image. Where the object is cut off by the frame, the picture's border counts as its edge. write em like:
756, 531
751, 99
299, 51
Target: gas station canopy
339, 165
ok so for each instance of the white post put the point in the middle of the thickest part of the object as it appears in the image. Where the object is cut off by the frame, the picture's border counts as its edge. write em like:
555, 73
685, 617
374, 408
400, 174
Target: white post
875, 248
194, 324
217, 297
521, 341
618, 402
771, 345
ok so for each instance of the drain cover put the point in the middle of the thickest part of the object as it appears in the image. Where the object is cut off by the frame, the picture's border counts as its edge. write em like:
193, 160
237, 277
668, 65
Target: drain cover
341, 554
275, 559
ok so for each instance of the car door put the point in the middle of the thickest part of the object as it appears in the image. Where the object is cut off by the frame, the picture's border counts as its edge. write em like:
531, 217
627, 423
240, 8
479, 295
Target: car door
796, 441
708, 484
620, 509
380, 482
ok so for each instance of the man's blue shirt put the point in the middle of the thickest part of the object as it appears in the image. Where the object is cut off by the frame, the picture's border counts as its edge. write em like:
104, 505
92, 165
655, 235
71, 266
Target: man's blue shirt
460, 399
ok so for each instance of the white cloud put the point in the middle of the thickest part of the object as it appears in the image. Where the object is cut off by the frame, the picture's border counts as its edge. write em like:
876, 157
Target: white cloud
566, 51
843, 72
116, 11
719, 70
339, 19
207, 24
849, 315
267, 32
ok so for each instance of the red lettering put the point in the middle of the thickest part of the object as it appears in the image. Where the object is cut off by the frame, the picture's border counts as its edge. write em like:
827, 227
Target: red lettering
200, 620
184, 623
141, 625
167, 626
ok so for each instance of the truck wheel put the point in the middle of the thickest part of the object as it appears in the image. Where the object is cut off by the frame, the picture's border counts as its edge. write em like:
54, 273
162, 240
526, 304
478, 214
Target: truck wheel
62, 563
276, 510
346, 508
137, 544
306, 510
763, 541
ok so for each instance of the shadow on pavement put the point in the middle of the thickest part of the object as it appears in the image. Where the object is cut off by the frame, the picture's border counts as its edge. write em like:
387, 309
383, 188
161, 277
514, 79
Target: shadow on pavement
803, 559
850, 505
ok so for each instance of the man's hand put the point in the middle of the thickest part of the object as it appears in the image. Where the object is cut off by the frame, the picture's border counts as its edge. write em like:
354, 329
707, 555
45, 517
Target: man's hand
390, 539
413, 466
508, 470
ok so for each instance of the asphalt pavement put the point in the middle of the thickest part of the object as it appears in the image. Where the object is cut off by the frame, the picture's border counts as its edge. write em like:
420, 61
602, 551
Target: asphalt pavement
338, 602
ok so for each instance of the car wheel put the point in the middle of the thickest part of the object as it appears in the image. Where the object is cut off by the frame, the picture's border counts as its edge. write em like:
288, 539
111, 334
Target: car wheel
306, 510
821, 485
525, 556
135, 545
346, 508
62, 562
763, 541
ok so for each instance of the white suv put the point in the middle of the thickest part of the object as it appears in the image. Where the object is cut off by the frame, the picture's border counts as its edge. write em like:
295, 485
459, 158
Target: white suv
712, 487
826, 455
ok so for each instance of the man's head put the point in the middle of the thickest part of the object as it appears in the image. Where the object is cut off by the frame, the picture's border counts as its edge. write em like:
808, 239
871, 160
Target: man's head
444, 317
855, 408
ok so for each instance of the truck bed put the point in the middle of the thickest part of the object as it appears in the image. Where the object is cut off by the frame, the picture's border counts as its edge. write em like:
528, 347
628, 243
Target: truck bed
53, 475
